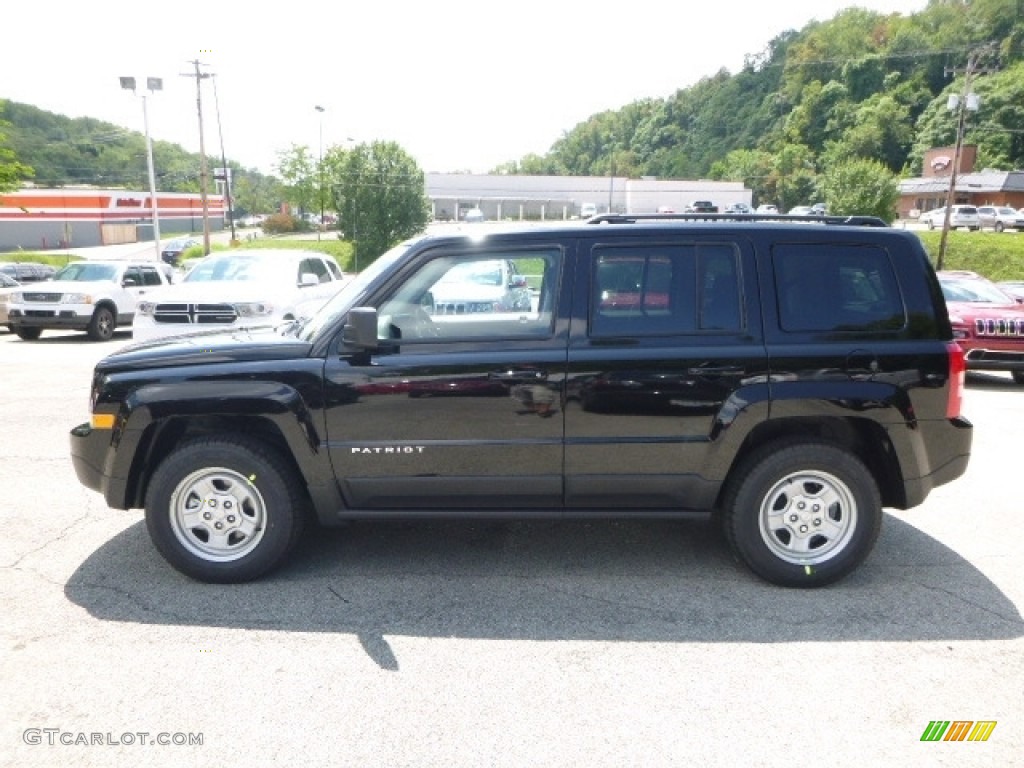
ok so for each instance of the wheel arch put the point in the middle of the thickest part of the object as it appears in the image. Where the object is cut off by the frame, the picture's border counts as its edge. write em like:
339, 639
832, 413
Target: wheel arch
160, 438
865, 439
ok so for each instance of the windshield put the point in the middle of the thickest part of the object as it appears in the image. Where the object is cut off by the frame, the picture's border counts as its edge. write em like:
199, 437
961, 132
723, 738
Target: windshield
238, 268
83, 273
974, 290
350, 295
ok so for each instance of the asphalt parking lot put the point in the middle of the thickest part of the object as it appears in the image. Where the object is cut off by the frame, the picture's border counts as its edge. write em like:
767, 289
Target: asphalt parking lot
514, 644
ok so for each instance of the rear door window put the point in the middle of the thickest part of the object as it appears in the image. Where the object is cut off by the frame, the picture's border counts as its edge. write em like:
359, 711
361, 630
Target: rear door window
836, 287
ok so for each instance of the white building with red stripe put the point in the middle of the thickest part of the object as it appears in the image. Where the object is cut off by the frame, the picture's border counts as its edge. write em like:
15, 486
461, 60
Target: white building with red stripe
45, 219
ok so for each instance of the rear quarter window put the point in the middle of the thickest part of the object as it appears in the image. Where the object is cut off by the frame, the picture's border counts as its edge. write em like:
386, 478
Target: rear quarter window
836, 287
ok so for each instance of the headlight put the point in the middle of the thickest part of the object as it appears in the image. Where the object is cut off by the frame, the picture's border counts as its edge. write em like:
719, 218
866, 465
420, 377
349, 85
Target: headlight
76, 298
17, 298
145, 308
254, 309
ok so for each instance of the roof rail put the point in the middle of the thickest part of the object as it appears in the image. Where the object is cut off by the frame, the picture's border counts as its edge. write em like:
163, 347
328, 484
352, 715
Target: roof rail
632, 218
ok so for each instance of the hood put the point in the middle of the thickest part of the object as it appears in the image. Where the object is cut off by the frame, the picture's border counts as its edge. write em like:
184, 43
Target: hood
985, 309
237, 346
67, 286
221, 291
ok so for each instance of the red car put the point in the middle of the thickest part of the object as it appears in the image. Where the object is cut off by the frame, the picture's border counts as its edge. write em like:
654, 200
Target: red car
988, 323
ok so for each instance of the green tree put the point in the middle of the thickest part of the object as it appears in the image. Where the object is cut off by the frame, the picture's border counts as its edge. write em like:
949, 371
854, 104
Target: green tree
298, 170
860, 188
380, 196
255, 193
753, 167
12, 173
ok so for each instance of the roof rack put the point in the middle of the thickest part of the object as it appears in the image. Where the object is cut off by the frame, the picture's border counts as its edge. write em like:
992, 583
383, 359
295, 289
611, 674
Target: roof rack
632, 218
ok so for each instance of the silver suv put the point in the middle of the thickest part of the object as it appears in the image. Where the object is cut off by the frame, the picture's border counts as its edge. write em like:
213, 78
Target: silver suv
1000, 217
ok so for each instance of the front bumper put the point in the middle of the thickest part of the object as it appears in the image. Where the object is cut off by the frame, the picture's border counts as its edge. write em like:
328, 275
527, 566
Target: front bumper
68, 319
91, 456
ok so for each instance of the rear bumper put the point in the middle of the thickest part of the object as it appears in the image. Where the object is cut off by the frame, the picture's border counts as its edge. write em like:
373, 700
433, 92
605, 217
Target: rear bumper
948, 446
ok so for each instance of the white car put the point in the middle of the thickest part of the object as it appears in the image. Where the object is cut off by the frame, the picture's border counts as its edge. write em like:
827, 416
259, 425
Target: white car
959, 216
91, 296
239, 289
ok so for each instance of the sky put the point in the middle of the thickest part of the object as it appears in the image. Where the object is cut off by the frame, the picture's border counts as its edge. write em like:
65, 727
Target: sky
459, 86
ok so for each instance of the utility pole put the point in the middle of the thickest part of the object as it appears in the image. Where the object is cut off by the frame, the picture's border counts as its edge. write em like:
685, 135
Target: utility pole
224, 165
203, 169
966, 101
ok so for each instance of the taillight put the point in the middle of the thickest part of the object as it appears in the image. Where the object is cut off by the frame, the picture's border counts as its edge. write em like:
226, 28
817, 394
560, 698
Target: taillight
957, 375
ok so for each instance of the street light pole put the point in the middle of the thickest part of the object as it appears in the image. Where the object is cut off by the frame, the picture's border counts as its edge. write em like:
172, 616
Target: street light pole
153, 84
320, 171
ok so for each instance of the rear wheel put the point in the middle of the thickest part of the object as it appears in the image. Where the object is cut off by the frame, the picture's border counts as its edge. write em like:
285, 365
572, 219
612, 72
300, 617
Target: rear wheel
803, 514
999, 226
224, 510
1018, 377
101, 326
29, 334
931, 224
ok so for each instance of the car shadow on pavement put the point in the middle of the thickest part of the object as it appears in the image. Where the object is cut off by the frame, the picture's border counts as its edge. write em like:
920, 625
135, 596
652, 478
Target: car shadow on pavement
633, 581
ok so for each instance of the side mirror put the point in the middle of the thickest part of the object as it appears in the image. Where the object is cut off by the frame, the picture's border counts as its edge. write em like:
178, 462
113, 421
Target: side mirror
360, 331
129, 282
308, 278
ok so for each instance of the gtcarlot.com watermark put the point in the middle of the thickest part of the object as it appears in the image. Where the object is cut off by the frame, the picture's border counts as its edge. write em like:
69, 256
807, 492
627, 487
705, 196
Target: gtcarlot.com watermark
57, 737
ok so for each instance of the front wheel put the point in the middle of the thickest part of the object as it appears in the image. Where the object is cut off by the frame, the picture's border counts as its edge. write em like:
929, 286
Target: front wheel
931, 224
29, 334
803, 514
224, 510
1000, 226
1018, 377
101, 326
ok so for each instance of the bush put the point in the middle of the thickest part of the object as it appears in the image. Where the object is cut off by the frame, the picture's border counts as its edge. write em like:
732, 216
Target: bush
279, 224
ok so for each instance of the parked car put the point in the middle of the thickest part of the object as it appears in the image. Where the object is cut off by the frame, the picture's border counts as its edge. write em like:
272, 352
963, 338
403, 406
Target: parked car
172, 250
767, 208
702, 206
801, 210
738, 208
92, 296
587, 210
492, 285
1000, 217
7, 285
238, 289
988, 323
789, 383
27, 271
959, 216
473, 215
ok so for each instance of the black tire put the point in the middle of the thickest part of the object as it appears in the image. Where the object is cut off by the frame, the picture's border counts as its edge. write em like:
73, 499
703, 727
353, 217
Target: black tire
245, 488
999, 226
931, 224
29, 334
1018, 377
773, 525
102, 325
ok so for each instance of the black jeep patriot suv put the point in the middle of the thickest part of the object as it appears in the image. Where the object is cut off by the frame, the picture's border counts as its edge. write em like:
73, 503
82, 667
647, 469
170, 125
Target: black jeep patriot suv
789, 378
